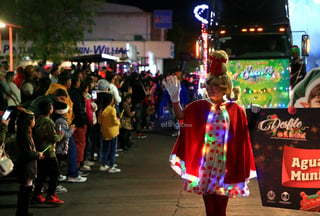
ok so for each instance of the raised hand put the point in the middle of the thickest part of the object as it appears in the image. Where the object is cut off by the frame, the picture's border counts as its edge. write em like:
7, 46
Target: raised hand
172, 84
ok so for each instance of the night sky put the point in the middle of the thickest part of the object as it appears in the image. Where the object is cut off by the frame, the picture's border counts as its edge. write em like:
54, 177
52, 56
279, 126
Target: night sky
182, 10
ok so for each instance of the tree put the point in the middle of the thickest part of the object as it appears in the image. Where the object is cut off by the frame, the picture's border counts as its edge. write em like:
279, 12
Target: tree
53, 26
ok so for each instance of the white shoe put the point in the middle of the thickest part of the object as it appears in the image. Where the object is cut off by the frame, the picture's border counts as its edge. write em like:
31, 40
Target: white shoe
85, 168
83, 174
104, 168
62, 177
88, 163
61, 189
114, 170
77, 179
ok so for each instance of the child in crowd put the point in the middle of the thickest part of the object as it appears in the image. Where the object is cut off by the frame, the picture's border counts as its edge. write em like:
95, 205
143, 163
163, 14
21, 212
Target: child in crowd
126, 122
91, 107
109, 124
149, 105
26, 159
60, 109
45, 138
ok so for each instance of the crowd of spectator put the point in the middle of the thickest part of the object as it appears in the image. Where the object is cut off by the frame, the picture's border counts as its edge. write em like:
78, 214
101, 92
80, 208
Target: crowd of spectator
84, 116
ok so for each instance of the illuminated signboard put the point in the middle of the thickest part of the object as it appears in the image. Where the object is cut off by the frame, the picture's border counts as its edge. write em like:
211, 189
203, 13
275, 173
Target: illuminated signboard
263, 82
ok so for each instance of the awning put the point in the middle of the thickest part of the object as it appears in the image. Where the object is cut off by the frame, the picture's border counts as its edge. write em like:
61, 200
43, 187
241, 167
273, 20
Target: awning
93, 58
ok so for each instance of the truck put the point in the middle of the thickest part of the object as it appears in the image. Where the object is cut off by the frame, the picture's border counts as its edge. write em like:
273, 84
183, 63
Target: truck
257, 36
258, 39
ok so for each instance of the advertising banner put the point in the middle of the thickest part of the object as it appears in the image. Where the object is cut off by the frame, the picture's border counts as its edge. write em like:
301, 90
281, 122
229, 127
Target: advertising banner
286, 149
264, 81
162, 19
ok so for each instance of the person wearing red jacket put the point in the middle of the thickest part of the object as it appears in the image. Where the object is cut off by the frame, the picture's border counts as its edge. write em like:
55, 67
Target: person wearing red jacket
212, 153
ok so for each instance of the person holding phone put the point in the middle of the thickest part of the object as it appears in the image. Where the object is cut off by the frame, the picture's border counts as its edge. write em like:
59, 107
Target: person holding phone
26, 159
94, 95
6, 115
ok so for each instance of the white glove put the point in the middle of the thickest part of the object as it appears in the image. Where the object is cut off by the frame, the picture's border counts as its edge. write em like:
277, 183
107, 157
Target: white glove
172, 84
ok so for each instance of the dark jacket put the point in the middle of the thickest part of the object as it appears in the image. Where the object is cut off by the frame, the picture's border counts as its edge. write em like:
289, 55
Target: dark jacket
138, 93
79, 107
26, 160
45, 135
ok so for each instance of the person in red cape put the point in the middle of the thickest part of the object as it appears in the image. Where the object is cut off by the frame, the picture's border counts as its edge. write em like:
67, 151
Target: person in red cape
212, 153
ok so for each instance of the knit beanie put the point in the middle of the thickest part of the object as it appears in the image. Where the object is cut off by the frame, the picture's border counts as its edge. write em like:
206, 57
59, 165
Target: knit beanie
296, 49
301, 91
60, 108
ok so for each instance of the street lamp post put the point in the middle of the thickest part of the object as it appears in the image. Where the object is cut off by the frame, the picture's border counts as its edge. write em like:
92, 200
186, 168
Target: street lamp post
10, 26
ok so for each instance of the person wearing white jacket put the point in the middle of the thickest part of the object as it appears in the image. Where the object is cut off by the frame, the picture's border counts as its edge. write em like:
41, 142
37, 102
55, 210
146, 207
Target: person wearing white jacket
113, 88
15, 98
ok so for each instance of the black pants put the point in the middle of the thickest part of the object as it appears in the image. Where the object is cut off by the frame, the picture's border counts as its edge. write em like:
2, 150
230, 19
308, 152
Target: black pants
24, 194
47, 167
124, 138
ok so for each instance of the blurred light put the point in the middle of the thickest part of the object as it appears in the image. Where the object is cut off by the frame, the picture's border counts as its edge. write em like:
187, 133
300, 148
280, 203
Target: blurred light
204, 35
259, 29
244, 30
222, 31
106, 56
282, 29
252, 29
197, 50
307, 44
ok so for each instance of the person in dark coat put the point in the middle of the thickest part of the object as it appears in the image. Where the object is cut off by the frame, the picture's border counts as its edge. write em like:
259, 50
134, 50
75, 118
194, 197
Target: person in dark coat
80, 117
138, 95
26, 160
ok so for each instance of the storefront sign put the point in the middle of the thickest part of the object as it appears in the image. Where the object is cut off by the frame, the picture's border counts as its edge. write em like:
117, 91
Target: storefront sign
100, 48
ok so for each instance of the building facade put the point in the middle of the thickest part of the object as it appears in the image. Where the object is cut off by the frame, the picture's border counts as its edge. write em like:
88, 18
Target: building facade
123, 31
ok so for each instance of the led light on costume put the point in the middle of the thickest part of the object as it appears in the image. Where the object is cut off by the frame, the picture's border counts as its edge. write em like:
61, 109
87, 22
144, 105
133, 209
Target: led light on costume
213, 162
208, 172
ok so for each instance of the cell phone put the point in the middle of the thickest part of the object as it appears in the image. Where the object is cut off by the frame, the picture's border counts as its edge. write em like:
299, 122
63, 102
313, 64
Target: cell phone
6, 115
94, 95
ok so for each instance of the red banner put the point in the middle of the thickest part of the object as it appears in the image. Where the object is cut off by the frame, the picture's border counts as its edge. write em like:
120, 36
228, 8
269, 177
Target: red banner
301, 167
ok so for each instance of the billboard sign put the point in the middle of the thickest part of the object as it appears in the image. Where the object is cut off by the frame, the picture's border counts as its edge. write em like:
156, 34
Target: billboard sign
162, 19
264, 82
